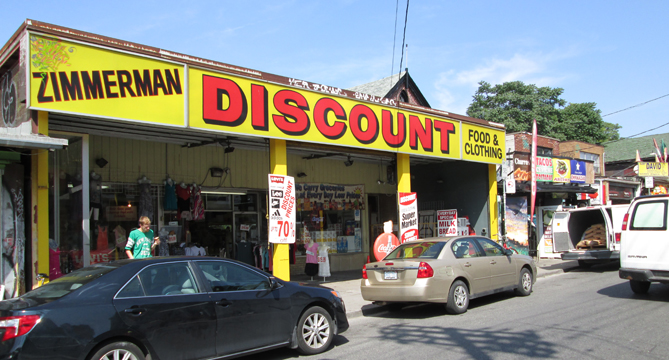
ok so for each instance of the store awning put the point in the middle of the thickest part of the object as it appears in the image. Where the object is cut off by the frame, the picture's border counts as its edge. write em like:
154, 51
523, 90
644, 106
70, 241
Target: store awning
525, 186
32, 141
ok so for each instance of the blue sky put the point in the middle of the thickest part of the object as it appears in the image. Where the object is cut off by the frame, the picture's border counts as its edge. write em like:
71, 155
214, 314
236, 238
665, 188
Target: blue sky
613, 53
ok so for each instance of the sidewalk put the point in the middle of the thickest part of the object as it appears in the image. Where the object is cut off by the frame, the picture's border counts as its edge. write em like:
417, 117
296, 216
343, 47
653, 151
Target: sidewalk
347, 283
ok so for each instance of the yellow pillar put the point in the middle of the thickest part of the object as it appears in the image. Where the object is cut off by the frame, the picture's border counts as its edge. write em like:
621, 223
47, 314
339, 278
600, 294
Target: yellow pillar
403, 173
494, 206
40, 170
278, 165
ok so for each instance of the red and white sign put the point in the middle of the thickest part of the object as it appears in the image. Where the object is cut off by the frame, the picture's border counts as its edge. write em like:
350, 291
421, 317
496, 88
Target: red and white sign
408, 216
384, 245
447, 223
281, 209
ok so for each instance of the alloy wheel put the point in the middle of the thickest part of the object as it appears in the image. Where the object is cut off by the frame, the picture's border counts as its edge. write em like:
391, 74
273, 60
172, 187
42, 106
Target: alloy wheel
316, 330
119, 354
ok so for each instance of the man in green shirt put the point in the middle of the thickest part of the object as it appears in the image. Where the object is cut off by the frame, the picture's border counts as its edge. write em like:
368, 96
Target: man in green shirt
139, 245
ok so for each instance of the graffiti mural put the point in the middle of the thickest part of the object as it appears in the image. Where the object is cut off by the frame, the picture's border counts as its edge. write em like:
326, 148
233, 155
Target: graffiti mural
48, 54
13, 232
8, 99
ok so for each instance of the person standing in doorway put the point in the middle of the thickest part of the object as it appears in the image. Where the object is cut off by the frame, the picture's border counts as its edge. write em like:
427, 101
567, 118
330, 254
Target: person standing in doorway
139, 245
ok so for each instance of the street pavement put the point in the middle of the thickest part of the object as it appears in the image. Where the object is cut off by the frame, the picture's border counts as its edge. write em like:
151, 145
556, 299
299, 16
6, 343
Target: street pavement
347, 283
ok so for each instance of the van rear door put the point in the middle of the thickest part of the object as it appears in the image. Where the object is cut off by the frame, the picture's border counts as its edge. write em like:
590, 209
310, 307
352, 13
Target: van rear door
645, 242
561, 239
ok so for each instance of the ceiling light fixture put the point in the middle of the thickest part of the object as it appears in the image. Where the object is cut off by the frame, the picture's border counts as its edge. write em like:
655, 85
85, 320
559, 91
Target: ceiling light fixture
301, 175
228, 149
348, 162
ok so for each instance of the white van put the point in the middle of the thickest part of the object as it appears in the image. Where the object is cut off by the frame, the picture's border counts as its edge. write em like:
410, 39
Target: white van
644, 243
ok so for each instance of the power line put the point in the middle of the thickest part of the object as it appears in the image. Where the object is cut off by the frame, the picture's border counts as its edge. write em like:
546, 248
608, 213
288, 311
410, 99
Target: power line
637, 105
392, 65
406, 15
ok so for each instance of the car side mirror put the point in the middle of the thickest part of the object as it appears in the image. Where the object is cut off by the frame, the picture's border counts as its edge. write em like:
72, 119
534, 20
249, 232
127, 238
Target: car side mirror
508, 252
273, 283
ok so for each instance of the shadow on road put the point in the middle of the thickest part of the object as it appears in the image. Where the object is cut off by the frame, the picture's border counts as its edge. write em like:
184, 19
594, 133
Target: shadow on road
657, 292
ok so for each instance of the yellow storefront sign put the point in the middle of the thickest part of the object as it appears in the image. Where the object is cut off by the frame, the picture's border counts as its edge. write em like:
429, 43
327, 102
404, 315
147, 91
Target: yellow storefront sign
74, 78
653, 169
482, 144
231, 104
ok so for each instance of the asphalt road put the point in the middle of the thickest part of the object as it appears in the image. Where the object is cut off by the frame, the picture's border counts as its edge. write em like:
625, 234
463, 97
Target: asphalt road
582, 314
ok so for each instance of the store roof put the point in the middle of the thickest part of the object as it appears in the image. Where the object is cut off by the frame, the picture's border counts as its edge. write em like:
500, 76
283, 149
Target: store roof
389, 86
625, 149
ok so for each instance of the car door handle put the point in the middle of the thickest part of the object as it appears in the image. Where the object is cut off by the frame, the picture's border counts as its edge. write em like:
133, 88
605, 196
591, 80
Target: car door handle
135, 310
224, 303
493, 262
467, 264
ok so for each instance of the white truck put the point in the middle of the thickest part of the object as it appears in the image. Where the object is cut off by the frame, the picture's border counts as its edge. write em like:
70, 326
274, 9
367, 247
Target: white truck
590, 235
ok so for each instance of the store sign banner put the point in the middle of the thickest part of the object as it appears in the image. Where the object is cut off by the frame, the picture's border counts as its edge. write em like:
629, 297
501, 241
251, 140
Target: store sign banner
521, 167
561, 170
121, 213
73, 78
447, 223
482, 144
408, 216
322, 196
233, 104
578, 171
281, 209
544, 168
653, 169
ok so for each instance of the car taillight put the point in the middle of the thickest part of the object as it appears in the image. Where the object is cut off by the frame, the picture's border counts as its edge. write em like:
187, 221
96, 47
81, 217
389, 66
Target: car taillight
364, 271
14, 326
425, 270
618, 238
627, 216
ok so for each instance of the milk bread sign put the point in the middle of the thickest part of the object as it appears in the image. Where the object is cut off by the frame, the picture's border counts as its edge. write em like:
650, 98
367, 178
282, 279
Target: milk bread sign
281, 209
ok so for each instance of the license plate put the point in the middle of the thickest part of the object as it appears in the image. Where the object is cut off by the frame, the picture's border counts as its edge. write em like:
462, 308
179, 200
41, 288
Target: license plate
390, 275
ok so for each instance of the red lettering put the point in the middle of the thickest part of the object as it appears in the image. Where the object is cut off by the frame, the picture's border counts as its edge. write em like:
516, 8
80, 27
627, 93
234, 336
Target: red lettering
418, 132
213, 111
391, 139
369, 135
293, 106
259, 112
445, 130
321, 110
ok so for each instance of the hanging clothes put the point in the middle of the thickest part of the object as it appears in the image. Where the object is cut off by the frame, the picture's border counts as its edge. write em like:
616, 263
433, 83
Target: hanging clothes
183, 200
323, 262
103, 241
170, 201
311, 266
197, 206
145, 201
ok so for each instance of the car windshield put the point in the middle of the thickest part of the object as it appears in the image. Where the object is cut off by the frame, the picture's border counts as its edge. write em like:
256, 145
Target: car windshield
417, 250
62, 286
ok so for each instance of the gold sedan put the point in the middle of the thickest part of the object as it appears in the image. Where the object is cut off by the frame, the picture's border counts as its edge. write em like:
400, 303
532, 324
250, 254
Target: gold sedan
446, 270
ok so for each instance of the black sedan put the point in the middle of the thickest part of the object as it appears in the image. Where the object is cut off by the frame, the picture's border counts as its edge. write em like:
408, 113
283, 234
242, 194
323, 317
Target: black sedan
168, 308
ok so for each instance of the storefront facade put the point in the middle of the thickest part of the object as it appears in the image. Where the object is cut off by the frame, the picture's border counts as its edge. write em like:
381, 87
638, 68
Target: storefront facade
190, 142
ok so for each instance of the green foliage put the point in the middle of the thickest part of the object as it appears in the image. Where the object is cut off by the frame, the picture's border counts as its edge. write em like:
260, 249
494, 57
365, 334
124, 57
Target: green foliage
516, 104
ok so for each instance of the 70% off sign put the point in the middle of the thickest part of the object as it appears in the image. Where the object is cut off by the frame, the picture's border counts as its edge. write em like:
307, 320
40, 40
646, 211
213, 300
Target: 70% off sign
281, 209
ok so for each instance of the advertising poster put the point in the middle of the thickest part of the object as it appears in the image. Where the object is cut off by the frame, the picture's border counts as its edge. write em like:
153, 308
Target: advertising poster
516, 224
408, 217
447, 223
544, 168
545, 225
322, 196
281, 209
561, 170
578, 171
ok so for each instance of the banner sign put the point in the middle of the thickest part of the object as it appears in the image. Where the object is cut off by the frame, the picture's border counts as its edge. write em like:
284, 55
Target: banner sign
653, 169
281, 209
561, 170
578, 171
544, 168
463, 226
232, 104
73, 78
521, 167
121, 213
408, 216
447, 223
320, 196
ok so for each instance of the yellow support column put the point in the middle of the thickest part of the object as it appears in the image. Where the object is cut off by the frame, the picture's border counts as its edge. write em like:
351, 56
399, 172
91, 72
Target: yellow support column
492, 191
40, 171
280, 258
403, 173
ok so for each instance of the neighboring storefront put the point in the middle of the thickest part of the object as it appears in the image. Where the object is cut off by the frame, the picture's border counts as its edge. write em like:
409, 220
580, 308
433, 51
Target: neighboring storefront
189, 143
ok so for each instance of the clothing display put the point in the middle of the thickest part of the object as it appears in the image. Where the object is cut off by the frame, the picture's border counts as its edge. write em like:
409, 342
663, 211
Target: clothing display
183, 200
145, 201
245, 252
323, 262
170, 201
103, 241
119, 236
95, 184
197, 206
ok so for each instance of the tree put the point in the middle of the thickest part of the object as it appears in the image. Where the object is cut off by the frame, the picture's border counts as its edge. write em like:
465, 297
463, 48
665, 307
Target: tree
516, 104
611, 131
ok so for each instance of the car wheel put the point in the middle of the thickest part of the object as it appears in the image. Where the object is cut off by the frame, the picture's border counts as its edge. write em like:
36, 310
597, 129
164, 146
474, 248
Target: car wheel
314, 331
458, 298
639, 287
525, 283
119, 350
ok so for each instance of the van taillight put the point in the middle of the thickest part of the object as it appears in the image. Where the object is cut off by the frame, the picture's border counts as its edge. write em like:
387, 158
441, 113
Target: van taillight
627, 216
364, 271
618, 238
14, 326
425, 270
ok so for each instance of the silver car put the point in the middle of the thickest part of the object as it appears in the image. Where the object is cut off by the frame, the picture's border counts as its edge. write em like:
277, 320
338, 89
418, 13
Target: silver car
446, 270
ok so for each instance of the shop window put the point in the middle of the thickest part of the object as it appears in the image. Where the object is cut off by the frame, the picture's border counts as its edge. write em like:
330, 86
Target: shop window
337, 229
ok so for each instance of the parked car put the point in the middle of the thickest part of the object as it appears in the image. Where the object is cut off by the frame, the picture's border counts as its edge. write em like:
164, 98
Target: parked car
168, 308
644, 243
446, 270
